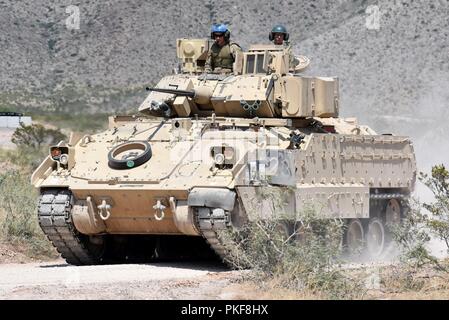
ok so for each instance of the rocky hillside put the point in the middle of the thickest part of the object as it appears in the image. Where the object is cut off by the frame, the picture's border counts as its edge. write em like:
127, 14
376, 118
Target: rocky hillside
394, 77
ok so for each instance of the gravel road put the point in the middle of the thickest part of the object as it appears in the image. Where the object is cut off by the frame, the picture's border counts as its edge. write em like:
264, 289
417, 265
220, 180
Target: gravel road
58, 280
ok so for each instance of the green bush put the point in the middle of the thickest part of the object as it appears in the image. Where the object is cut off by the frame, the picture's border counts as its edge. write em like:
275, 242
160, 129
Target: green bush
414, 234
412, 237
308, 259
32, 146
18, 201
27, 159
35, 136
438, 221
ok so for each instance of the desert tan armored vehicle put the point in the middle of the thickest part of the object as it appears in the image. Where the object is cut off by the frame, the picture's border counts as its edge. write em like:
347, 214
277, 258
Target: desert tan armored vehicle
204, 150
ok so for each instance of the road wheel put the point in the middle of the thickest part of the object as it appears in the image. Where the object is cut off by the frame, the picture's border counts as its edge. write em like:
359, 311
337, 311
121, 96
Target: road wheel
354, 237
375, 238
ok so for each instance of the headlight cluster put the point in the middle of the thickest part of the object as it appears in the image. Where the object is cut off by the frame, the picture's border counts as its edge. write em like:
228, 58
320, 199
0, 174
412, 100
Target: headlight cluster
276, 167
60, 154
224, 156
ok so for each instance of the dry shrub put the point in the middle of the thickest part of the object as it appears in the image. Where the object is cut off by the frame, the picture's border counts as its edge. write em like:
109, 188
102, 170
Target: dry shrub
18, 201
308, 261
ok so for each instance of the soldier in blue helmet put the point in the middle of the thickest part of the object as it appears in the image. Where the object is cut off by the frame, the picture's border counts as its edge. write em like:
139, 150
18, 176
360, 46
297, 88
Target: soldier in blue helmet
221, 55
279, 34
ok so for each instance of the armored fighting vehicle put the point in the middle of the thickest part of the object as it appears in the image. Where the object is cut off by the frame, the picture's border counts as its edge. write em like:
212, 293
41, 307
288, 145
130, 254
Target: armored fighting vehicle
202, 153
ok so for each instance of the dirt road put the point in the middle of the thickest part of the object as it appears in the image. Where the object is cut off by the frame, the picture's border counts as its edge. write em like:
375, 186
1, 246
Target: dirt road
57, 280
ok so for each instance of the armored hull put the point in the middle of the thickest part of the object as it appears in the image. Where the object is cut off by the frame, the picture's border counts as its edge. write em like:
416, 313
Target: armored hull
225, 150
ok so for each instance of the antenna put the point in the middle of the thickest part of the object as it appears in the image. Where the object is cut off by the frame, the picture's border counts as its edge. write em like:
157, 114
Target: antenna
211, 14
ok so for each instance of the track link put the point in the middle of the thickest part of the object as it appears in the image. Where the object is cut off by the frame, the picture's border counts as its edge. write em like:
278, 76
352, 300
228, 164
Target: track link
54, 214
211, 221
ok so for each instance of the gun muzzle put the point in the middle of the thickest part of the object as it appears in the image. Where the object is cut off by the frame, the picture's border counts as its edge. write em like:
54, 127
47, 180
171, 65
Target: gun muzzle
200, 95
185, 93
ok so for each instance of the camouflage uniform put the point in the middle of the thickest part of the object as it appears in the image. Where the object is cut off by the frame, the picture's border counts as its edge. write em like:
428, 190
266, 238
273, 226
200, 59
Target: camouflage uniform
222, 57
293, 60
280, 29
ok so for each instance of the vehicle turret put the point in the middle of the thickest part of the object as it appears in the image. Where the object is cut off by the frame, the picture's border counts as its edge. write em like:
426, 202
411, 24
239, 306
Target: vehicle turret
262, 84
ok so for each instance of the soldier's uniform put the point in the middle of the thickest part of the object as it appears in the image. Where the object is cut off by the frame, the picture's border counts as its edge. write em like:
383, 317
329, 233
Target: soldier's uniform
281, 29
293, 60
222, 57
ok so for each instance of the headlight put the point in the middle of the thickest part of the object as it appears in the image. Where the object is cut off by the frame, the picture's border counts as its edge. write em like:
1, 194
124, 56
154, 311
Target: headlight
229, 153
224, 156
56, 152
64, 159
219, 159
60, 155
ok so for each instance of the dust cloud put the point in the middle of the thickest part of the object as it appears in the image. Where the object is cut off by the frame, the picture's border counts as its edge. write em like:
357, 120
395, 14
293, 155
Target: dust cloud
428, 126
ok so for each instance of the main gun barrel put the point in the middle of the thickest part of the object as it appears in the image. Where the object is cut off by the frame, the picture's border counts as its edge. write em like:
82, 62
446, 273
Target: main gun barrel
185, 93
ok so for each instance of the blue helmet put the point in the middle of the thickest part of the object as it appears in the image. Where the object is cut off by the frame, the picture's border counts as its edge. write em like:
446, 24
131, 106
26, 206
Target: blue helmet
220, 28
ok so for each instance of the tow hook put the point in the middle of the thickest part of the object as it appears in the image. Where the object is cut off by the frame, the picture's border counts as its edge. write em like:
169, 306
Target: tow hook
159, 207
104, 208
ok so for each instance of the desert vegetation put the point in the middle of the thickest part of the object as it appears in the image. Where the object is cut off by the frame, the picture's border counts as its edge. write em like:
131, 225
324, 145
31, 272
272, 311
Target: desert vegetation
19, 227
310, 263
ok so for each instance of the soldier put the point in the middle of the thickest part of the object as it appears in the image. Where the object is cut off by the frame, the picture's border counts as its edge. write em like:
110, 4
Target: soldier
222, 54
278, 35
